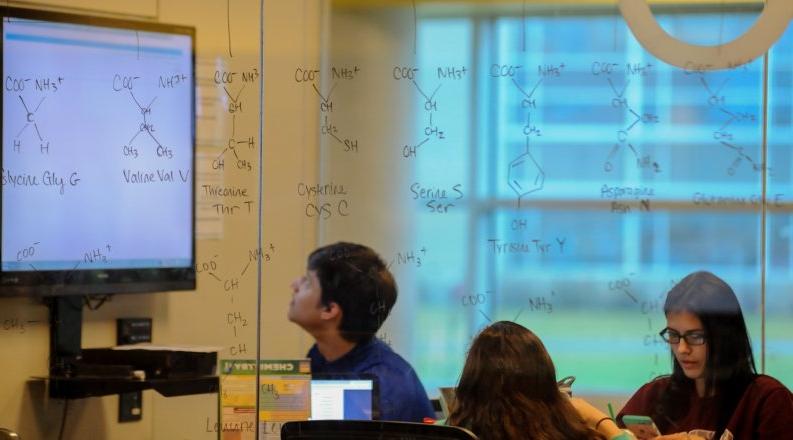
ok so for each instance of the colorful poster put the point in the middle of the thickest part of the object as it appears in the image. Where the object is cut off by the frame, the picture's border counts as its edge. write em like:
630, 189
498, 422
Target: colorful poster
284, 394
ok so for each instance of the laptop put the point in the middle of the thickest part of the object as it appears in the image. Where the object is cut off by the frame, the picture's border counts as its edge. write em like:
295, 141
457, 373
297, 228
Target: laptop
446, 399
344, 397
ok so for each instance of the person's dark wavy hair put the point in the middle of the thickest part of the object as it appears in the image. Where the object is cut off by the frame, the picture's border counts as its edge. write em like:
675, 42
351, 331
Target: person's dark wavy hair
356, 278
508, 390
729, 367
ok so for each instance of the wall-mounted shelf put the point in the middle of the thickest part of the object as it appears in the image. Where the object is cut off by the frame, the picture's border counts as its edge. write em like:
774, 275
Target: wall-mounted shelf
80, 387
77, 373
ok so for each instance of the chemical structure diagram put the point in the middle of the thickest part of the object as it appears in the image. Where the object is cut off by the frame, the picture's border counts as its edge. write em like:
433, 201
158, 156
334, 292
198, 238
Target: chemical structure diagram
234, 107
327, 127
619, 101
650, 306
235, 318
408, 258
30, 131
145, 127
534, 304
30, 121
430, 106
524, 174
525, 166
232, 284
723, 134
430, 130
91, 256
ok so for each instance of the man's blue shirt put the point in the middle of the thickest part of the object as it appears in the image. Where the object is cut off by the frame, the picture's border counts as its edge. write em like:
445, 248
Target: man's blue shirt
402, 396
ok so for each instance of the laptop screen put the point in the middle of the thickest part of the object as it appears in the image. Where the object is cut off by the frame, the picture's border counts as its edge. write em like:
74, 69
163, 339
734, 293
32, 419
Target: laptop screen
343, 399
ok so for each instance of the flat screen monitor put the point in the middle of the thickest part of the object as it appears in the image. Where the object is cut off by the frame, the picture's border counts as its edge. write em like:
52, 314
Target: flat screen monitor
353, 397
98, 155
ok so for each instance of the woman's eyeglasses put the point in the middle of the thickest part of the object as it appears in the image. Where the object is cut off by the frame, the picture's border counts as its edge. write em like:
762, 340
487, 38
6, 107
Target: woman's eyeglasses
692, 337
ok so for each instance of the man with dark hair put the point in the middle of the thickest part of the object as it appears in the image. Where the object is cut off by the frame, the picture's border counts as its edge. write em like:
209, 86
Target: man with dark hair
342, 300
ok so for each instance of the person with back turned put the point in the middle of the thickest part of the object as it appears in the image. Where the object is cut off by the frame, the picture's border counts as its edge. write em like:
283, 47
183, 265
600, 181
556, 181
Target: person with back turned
508, 391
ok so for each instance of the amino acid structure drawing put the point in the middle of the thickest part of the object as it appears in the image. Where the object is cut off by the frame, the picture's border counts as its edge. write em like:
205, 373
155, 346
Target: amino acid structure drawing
525, 175
619, 101
30, 121
724, 135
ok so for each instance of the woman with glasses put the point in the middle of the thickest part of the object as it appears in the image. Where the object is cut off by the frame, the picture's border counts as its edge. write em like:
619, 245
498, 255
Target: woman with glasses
714, 390
508, 391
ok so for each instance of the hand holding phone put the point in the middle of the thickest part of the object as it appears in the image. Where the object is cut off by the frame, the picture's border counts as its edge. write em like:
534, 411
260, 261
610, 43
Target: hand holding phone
642, 427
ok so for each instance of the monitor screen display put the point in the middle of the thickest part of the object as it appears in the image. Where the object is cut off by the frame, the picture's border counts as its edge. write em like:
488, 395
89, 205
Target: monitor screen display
98, 155
342, 399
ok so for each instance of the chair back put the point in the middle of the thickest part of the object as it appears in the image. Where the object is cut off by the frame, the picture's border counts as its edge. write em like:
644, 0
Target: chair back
370, 429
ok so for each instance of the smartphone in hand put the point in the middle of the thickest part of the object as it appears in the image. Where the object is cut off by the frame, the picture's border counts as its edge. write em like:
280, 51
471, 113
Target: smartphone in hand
642, 427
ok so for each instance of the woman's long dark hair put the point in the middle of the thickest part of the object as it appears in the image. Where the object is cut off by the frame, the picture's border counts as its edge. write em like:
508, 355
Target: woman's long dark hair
729, 367
508, 390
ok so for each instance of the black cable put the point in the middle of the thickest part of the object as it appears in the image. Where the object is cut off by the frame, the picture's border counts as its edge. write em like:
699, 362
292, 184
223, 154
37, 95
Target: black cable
63, 419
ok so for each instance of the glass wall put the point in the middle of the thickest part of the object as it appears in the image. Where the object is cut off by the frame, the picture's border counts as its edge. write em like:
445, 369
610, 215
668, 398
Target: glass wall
542, 167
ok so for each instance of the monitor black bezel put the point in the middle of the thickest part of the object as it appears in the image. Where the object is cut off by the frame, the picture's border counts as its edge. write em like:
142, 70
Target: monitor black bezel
102, 281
